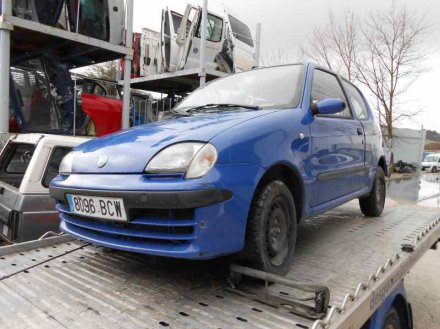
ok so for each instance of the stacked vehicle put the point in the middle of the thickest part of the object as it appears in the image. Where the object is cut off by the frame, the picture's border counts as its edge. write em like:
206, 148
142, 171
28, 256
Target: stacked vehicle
104, 20
28, 163
230, 47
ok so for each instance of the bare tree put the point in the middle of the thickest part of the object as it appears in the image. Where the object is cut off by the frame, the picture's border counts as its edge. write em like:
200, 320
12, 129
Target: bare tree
391, 60
336, 45
384, 52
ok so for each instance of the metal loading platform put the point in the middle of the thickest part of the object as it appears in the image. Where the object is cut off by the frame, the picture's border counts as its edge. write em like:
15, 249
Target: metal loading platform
64, 283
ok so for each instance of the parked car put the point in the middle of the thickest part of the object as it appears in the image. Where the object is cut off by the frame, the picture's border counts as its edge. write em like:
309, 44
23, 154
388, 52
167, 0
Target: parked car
431, 163
28, 163
244, 159
42, 100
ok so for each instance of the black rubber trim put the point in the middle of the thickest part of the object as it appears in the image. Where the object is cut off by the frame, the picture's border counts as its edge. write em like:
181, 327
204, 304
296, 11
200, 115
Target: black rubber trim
152, 199
342, 172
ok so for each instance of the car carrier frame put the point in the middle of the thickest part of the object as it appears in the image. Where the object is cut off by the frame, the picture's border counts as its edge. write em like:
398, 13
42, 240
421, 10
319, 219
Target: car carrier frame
361, 262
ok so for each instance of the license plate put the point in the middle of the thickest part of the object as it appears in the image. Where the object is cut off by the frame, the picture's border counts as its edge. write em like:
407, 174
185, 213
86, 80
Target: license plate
98, 207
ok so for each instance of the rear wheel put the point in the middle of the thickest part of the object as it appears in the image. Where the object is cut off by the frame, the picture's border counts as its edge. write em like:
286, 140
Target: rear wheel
372, 205
434, 169
271, 229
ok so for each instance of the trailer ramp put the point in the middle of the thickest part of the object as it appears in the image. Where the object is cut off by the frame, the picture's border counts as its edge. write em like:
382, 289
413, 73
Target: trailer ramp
76, 285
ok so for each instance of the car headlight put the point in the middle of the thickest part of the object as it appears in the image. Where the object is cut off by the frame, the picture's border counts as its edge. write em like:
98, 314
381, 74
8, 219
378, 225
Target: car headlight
66, 164
194, 159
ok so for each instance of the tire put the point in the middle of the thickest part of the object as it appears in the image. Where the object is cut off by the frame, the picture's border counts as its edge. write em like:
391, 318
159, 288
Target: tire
434, 169
392, 320
271, 229
372, 205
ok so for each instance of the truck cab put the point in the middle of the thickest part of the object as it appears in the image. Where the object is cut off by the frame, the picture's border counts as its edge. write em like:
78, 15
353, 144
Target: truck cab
229, 44
28, 163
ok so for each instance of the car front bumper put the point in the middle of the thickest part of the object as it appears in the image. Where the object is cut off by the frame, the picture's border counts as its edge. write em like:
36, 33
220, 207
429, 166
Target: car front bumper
195, 219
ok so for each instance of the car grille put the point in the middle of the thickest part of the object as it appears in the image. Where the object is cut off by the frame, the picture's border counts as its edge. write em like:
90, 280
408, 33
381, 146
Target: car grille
151, 226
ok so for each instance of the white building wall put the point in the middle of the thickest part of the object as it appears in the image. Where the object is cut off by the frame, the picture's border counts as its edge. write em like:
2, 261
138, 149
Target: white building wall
408, 145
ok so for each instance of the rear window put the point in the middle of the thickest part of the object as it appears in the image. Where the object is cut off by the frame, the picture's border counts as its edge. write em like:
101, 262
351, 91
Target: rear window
241, 31
20, 157
53, 166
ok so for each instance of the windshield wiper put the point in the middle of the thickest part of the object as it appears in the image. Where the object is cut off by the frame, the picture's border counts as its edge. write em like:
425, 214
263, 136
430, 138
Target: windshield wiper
216, 106
178, 113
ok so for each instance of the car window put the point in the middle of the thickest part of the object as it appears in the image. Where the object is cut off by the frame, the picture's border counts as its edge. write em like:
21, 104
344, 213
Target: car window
52, 169
241, 31
177, 20
252, 88
214, 28
357, 101
326, 85
20, 158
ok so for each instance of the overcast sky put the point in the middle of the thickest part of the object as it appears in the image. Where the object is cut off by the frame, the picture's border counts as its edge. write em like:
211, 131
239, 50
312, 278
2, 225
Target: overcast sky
287, 24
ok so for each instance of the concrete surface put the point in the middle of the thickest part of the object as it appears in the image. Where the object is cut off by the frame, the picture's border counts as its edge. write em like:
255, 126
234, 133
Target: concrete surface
423, 282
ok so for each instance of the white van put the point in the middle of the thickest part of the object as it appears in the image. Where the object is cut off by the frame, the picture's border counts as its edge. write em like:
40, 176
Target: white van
431, 163
230, 47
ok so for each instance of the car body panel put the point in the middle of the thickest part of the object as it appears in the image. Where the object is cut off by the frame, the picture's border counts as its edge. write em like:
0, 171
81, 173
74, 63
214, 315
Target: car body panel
26, 210
129, 143
105, 113
249, 143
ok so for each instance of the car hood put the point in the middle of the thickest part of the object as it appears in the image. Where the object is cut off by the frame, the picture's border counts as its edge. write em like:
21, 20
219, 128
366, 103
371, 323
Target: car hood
129, 151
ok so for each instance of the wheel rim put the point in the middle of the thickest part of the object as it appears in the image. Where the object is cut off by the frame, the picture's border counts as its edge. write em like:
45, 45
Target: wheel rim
278, 224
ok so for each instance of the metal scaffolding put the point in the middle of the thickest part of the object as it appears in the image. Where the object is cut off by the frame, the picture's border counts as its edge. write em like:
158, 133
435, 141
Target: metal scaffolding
18, 36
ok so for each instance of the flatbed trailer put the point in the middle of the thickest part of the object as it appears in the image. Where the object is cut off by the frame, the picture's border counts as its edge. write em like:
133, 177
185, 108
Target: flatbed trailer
65, 283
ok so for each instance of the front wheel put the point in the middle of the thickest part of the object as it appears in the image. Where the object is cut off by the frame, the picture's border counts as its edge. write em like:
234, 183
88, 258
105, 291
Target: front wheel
372, 205
271, 229
434, 169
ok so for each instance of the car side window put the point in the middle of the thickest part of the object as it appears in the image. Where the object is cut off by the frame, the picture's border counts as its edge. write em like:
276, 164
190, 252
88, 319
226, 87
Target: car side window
326, 85
214, 28
356, 100
58, 153
20, 159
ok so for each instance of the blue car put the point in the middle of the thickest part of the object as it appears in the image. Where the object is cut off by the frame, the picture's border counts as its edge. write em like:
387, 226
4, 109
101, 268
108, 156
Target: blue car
232, 170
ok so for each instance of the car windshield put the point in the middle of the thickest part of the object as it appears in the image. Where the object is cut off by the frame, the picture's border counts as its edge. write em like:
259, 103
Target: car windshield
252, 89
431, 158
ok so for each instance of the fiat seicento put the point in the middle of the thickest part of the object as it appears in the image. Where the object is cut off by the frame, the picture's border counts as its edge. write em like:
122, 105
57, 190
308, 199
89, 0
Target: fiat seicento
232, 169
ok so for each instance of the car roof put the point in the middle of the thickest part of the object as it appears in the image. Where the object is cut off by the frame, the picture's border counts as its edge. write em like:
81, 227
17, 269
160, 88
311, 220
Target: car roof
35, 138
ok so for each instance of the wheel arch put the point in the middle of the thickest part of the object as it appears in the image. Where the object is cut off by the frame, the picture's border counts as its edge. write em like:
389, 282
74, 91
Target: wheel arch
291, 177
383, 164
402, 307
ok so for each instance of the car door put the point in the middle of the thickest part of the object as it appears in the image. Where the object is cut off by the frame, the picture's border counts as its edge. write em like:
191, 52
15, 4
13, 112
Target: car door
214, 43
337, 158
242, 44
169, 33
372, 132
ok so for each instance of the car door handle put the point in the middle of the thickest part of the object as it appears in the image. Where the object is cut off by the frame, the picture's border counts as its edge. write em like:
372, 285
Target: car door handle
360, 131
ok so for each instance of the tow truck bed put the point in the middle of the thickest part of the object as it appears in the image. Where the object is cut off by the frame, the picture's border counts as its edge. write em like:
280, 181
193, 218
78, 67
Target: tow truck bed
63, 283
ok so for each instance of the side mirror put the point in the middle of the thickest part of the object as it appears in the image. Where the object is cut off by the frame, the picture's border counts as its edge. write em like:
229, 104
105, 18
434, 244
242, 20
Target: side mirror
328, 106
